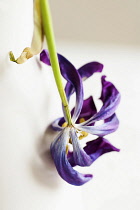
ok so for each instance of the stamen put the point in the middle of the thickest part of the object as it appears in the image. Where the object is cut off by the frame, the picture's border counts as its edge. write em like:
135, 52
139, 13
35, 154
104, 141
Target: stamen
65, 124
67, 149
82, 120
70, 140
83, 135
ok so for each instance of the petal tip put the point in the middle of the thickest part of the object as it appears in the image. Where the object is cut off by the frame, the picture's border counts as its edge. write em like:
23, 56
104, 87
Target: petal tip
44, 57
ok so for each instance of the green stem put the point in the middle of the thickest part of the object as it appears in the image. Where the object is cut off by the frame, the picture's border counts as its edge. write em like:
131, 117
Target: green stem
48, 30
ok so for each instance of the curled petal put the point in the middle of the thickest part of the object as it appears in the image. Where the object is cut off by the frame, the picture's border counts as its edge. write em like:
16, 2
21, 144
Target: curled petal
85, 72
56, 126
95, 149
109, 126
44, 57
65, 170
80, 156
109, 91
110, 98
98, 147
88, 110
89, 69
72, 76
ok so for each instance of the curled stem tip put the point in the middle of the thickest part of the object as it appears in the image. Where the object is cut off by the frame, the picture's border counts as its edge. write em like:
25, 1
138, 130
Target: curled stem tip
37, 39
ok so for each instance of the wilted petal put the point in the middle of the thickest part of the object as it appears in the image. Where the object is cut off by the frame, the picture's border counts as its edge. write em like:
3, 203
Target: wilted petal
85, 72
110, 98
44, 57
56, 126
88, 110
95, 149
72, 76
98, 147
79, 155
109, 126
65, 170
89, 69
109, 91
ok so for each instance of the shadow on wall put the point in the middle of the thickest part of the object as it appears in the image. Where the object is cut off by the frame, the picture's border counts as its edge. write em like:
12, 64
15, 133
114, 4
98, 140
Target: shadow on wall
42, 166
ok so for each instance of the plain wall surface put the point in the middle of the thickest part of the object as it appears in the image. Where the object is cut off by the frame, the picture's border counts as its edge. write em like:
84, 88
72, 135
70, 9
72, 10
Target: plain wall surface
30, 102
97, 20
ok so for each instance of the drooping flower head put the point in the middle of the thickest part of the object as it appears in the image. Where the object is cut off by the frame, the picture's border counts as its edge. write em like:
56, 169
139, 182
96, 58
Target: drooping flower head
84, 117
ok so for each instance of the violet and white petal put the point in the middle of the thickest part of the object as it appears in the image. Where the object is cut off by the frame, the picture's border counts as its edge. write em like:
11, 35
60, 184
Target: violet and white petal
109, 91
109, 126
56, 124
87, 111
65, 170
72, 76
79, 155
95, 149
98, 147
110, 97
85, 72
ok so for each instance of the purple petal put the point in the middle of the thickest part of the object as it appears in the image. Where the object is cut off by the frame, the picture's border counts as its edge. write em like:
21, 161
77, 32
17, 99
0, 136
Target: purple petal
88, 109
56, 126
110, 98
95, 149
109, 91
72, 76
98, 147
79, 155
44, 57
89, 69
109, 126
85, 72
65, 170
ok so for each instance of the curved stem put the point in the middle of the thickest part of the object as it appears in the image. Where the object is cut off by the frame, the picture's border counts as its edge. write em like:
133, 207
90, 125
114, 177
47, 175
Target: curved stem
48, 30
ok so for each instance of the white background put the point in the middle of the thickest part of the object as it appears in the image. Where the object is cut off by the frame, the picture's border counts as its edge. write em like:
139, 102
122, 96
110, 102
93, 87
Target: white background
97, 20
29, 102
